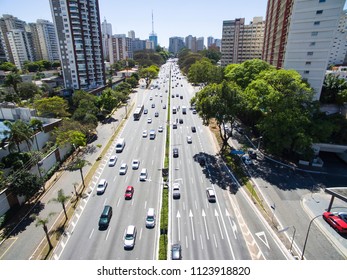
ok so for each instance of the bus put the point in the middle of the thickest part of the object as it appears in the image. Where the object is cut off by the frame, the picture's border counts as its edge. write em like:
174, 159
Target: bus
138, 112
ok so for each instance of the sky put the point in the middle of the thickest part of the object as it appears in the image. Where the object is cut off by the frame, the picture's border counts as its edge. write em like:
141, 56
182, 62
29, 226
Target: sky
200, 18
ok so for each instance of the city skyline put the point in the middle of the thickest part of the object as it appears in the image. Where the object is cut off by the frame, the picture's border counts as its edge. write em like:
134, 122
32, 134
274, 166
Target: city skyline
195, 18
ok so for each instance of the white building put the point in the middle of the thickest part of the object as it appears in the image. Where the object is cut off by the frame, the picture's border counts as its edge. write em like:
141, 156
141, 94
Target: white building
47, 39
339, 49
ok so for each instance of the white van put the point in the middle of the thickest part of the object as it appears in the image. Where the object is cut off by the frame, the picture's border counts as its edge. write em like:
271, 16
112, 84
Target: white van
150, 218
143, 174
152, 134
120, 145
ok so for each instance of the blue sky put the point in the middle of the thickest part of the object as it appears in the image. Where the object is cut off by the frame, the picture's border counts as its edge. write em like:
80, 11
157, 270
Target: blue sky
200, 18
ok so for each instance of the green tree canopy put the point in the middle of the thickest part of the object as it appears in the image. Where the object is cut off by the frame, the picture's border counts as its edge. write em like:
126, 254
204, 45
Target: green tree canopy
18, 132
25, 184
55, 107
27, 90
203, 71
13, 80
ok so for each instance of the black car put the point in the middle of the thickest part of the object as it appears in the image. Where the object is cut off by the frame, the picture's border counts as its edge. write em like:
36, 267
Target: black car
176, 252
105, 217
193, 129
181, 121
175, 152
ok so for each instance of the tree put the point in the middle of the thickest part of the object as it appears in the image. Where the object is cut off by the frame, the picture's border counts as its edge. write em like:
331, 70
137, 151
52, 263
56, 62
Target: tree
18, 132
149, 73
8, 66
108, 100
25, 184
203, 71
27, 90
62, 199
78, 164
73, 137
12, 80
333, 90
55, 107
219, 102
43, 222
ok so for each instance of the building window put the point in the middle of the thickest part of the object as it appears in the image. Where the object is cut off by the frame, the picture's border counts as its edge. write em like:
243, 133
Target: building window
308, 63
306, 72
309, 53
319, 12
314, 33
316, 23
321, 1
312, 44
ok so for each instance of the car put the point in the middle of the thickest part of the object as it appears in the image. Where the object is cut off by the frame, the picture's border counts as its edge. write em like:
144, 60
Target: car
177, 95
129, 191
150, 98
105, 217
156, 114
102, 185
176, 194
181, 121
181, 97
193, 129
153, 105
144, 133
164, 106
143, 174
145, 111
211, 195
176, 252
150, 218
135, 164
130, 237
112, 161
337, 220
194, 111
175, 152
160, 128
174, 125
172, 95
149, 120
189, 139
247, 160
123, 169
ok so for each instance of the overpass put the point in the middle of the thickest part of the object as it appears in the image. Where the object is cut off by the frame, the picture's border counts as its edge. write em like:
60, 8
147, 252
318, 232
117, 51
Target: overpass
340, 150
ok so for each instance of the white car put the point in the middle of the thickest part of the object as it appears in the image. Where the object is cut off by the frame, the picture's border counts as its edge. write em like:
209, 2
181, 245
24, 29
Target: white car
123, 169
100, 189
112, 161
143, 174
135, 164
160, 128
149, 120
189, 139
144, 133
176, 191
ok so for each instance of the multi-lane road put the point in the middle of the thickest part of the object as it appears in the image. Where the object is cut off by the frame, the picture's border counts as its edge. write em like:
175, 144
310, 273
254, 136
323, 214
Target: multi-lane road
205, 230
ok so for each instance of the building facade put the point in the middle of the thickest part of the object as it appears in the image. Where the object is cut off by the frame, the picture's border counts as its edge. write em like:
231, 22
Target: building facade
48, 40
77, 24
106, 31
299, 34
121, 48
339, 49
241, 42
176, 44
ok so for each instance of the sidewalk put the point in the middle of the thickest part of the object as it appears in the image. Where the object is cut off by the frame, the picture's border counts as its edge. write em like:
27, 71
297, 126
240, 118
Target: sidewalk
16, 245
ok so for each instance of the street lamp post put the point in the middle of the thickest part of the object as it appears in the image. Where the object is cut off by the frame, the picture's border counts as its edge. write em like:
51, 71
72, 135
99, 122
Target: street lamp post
308, 231
285, 229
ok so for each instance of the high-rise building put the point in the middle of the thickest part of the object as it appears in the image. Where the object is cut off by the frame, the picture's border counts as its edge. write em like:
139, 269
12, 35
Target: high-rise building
190, 43
48, 40
106, 31
210, 41
175, 44
200, 44
131, 34
121, 48
77, 24
241, 42
339, 50
299, 34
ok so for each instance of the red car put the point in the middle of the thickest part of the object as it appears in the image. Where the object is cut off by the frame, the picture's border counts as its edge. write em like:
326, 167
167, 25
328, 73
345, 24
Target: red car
129, 192
337, 221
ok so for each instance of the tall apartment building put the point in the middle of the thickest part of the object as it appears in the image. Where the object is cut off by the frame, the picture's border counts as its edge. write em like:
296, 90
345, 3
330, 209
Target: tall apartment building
299, 34
210, 41
200, 44
121, 48
241, 42
77, 24
190, 43
175, 44
106, 31
48, 40
339, 50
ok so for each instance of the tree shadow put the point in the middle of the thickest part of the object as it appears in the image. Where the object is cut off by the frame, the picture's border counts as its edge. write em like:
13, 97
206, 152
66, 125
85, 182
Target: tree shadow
21, 218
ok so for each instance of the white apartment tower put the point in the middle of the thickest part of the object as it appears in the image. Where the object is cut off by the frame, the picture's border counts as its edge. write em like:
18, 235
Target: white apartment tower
106, 31
300, 34
77, 24
339, 49
47, 39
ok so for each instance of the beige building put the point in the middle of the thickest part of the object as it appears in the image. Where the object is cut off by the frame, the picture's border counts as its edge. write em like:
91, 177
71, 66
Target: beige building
241, 42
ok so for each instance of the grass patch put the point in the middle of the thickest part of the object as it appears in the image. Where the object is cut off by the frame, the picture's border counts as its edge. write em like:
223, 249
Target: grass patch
164, 223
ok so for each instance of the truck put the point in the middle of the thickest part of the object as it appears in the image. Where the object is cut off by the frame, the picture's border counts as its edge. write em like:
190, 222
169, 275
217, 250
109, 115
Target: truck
184, 110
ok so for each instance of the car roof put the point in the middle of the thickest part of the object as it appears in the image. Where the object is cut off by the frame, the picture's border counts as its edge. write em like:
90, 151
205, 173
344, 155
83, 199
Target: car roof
102, 181
130, 229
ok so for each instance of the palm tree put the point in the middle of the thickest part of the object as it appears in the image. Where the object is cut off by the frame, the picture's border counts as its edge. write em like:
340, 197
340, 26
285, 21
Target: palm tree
61, 198
78, 164
18, 132
13, 79
43, 223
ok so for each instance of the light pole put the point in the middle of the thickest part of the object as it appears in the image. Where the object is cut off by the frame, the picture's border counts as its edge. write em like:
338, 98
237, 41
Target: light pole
308, 231
285, 229
261, 137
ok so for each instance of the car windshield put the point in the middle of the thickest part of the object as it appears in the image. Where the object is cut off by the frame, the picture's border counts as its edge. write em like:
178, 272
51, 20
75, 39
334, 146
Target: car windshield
129, 237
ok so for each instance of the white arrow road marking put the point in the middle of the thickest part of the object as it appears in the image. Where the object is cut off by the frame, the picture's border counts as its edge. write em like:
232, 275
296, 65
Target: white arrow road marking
178, 216
232, 223
191, 221
204, 217
220, 228
261, 235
